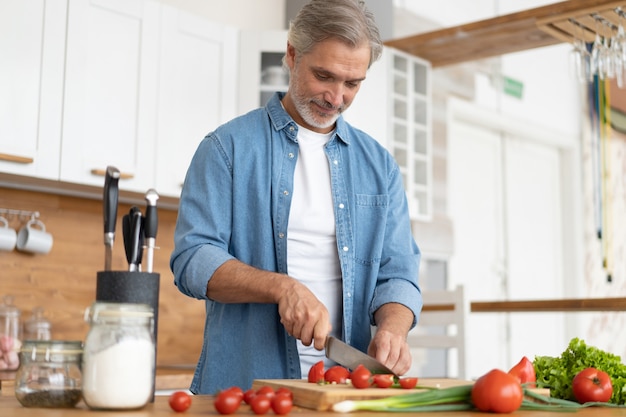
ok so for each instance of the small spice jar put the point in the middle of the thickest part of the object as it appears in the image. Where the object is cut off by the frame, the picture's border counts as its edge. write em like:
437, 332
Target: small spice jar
49, 375
10, 335
37, 327
119, 353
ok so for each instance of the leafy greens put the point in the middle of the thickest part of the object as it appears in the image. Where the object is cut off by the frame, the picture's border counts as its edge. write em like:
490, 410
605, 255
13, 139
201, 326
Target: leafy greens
557, 373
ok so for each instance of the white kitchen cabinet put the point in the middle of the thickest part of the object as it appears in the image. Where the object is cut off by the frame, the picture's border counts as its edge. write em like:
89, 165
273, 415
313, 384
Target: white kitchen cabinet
260, 67
197, 82
394, 106
110, 92
32, 47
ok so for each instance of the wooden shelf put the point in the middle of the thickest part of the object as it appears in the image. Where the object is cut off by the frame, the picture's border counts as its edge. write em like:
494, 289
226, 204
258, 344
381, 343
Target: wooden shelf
560, 305
533, 28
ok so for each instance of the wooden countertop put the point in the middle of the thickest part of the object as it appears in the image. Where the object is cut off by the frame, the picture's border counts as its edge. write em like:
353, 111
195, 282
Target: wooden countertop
203, 405
558, 305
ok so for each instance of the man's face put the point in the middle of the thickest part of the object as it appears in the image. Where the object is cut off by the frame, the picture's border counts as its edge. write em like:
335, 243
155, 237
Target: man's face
324, 82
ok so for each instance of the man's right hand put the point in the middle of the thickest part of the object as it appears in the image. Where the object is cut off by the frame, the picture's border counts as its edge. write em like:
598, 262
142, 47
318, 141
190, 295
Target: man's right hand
303, 315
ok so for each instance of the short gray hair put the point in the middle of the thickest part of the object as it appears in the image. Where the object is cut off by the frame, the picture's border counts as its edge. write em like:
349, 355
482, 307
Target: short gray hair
346, 20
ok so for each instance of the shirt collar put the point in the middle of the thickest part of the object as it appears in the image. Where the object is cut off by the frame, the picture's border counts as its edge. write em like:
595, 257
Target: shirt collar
281, 120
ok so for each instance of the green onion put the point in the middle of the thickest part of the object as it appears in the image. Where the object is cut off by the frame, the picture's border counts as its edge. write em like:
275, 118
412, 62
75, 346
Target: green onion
445, 399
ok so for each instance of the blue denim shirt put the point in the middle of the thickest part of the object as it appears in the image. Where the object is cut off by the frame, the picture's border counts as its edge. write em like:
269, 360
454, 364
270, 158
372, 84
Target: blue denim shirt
235, 204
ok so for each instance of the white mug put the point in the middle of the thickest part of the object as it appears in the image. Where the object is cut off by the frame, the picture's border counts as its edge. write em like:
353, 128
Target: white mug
8, 236
34, 238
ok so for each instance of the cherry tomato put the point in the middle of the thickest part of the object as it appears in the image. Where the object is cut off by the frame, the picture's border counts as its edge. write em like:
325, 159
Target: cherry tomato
408, 382
236, 391
525, 372
383, 380
282, 404
180, 401
316, 373
336, 374
248, 395
592, 384
260, 404
267, 391
227, 402
285, 391
361, 377
498, 392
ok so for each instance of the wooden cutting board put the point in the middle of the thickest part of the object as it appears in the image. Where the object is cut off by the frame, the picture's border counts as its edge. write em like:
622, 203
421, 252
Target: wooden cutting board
322, 397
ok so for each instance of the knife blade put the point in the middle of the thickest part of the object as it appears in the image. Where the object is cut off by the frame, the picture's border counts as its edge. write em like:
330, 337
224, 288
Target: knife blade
109, 200
151, 223
349, 357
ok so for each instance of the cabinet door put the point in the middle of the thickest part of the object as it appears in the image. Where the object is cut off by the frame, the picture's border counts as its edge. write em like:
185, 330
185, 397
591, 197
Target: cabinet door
110, 91
32, 45
197, 82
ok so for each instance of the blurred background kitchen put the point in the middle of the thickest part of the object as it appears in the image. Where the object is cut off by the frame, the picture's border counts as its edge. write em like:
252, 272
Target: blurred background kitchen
498, 154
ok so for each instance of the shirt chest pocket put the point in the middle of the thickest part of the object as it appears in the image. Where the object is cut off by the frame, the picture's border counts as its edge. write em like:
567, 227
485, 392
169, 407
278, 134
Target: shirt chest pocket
370, 223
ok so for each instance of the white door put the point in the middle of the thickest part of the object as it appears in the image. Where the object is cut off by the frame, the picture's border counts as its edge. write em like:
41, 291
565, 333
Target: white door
198, 61
505, 206
110, 91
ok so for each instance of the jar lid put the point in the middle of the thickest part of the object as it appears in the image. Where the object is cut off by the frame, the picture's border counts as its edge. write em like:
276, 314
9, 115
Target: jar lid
101, 309
46, 347
7, 309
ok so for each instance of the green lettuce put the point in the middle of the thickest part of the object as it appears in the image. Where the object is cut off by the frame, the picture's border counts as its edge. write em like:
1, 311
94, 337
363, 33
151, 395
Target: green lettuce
557, 373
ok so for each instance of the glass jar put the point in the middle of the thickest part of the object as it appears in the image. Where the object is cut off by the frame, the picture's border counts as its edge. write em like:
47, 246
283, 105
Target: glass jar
49, 374
37, 327
10, 335
119, 356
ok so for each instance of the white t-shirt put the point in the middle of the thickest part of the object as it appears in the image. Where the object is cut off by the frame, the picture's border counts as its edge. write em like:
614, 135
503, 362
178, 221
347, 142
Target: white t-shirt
312, 244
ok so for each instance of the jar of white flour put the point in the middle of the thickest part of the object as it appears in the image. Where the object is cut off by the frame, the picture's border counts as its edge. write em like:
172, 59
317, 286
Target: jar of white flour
118, 356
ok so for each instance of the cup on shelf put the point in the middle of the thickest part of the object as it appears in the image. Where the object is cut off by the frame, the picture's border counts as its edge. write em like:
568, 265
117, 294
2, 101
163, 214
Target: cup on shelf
33, 238
8, 236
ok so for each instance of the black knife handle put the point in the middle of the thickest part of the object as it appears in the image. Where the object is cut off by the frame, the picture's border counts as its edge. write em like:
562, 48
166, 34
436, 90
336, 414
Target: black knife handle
151, 221
110, 198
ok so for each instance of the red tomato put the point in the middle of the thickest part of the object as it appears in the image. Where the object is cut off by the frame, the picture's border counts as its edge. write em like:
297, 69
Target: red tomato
336, 374
248, 395
236, 391
260, 404
180, 401
316, 373
408, 382
282, 404
383, 380
267, 391
525, 372
284, 391
498, 392
227, 402
361, 377
592, 384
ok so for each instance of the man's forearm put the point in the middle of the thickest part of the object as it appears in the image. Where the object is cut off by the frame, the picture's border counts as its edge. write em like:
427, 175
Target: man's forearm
395, 318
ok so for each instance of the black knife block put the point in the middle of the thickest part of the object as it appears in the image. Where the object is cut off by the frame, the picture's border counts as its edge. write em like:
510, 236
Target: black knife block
132, 287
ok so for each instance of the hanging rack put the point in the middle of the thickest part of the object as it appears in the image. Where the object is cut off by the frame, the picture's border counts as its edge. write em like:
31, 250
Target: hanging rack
21, 215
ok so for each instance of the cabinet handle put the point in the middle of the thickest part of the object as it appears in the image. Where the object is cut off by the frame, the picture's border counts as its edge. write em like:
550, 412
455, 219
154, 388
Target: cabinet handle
102, 173
16, 158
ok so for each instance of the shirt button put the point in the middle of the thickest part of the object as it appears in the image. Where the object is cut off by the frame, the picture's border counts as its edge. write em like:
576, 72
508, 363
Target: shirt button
291, 128
341, 205
345, 249
281, 235
335, 162
286, 192
291, 155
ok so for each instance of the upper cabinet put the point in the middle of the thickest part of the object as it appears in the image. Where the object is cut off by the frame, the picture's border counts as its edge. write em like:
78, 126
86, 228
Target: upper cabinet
31, 86
394, 105
110, 92
197, 82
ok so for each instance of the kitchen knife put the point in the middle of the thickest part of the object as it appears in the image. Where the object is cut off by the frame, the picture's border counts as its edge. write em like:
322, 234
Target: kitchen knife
136, 241
109, 200
346, 355
151, 223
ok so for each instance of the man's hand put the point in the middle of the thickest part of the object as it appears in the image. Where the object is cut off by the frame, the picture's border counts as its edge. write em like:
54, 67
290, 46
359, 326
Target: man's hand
389, 345
303, 315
